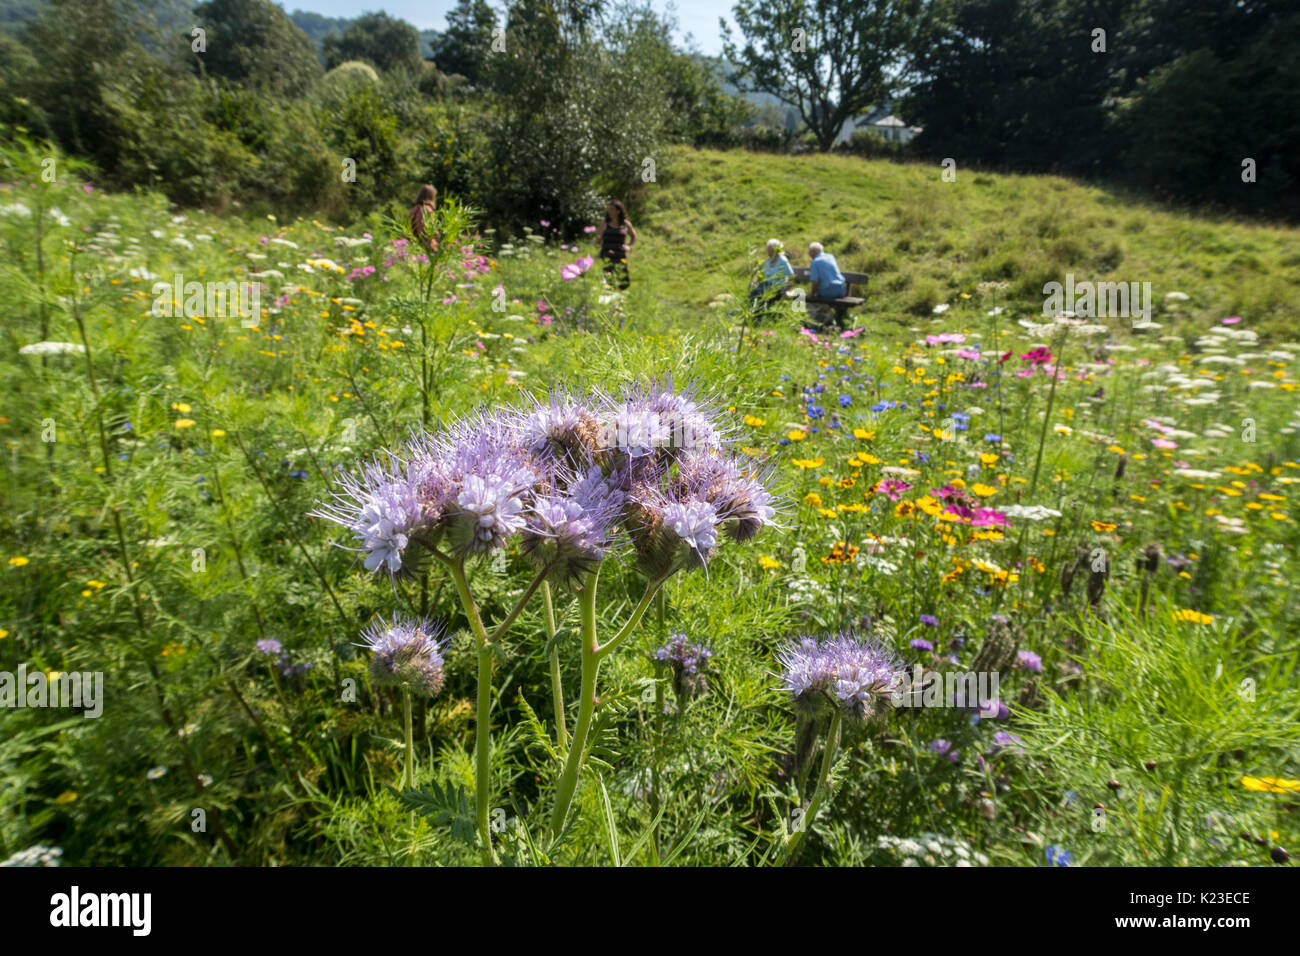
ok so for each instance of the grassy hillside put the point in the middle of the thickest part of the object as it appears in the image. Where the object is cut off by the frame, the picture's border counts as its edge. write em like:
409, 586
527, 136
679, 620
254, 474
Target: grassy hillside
925, 241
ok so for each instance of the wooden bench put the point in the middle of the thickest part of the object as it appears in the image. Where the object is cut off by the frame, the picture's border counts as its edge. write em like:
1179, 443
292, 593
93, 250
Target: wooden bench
845, 302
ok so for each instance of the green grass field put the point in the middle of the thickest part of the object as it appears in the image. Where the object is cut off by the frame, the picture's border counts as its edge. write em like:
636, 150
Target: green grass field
1103, 520
924, 241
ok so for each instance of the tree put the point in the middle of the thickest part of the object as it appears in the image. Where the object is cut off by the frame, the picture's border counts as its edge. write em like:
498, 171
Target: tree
1020, 84
829, 59
464, 47
253, 43
384, 42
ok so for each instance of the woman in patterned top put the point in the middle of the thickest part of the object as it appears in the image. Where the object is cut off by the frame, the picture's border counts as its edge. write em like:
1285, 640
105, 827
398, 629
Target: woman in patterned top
615, 241
422, 214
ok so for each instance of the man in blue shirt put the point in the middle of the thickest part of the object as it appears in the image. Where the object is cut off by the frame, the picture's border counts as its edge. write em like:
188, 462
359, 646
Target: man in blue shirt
824, 273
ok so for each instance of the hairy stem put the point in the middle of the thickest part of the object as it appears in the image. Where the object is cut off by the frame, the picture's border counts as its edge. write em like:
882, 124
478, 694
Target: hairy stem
557, 685
586, 705
819, 795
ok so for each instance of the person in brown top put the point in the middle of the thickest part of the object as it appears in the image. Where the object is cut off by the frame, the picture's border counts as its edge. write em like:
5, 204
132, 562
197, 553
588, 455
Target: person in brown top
422, 218
615, 241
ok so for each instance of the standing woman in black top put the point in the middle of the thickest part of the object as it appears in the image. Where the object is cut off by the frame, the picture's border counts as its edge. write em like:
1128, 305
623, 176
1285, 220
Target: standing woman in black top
615, 242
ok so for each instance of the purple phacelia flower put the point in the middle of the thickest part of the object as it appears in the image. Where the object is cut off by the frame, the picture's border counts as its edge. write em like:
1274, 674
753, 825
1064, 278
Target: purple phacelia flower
689, 663
570, 532
695, 523
382, 508
406, 654
1029, 661
855, 673
944, 748
1003, 740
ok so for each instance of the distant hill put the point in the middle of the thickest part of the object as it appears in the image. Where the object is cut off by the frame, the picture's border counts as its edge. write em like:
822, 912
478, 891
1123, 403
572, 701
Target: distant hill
14, 13
318, 27
168, 15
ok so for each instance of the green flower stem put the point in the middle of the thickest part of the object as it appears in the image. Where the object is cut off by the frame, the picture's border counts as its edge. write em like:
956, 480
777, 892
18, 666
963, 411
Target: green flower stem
819, 795
410, 739
557, 686
483, 751
592, 654
586, 705
537, 582
483, 693
633, 620
1047, 414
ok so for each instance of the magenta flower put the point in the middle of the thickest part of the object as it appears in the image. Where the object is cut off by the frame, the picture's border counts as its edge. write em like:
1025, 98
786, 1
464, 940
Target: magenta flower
571, 271
988, 518
892, 487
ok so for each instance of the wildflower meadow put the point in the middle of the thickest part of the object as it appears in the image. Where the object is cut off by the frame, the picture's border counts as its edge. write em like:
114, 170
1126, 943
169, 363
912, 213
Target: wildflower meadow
461, 557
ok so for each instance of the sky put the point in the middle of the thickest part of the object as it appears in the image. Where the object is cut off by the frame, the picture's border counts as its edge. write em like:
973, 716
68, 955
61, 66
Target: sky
697, 17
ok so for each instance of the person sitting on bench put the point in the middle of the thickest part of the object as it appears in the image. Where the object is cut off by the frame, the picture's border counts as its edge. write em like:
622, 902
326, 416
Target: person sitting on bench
777, 272
824, 273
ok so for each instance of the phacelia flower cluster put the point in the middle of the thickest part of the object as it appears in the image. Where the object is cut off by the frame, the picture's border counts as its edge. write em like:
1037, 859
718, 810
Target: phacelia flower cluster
689, 663
573, 478
406, 654
857, 674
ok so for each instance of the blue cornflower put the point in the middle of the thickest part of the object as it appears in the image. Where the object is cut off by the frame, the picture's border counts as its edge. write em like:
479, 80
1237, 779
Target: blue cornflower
1058, 856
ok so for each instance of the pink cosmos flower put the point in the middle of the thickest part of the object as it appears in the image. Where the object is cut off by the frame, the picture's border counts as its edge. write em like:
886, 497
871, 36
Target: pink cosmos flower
1232, 320
988, 518
891, 487
1164, 443
573, 270
946, 337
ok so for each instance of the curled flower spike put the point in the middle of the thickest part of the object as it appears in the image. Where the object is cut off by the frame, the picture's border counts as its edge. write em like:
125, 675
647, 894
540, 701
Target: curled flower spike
572, 532
689, 663
560, 430
383, 508
406, 654
855, 673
